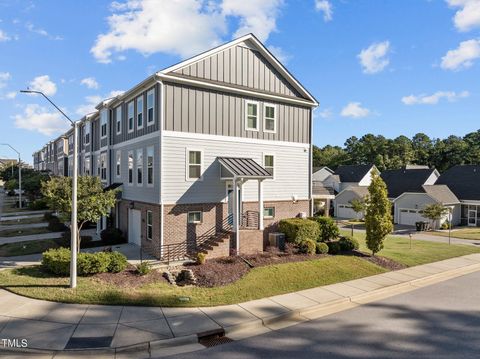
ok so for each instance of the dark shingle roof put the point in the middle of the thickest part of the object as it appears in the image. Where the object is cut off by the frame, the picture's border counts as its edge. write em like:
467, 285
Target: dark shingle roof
441, 193
318, 189
244, 167
403, 180
463, 180
352, 173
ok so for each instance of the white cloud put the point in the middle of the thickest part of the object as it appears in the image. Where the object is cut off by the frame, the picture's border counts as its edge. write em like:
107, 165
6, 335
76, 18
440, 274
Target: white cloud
433, 99
11, 95
355, 110
325, 7
4, 78
374, 58
4, 36
182, 28
89, 105
44, 84
42, 32
90, 82
325, 114
467, 16
463, 56
115, 93
280, 54
37, 118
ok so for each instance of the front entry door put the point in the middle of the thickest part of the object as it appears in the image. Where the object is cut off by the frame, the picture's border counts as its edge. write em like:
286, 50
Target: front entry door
230, 201
135, 226
472, 217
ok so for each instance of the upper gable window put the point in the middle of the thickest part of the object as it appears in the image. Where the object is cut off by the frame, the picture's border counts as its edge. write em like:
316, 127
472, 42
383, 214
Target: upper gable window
269, 118
150, 106
140, 112
251, 120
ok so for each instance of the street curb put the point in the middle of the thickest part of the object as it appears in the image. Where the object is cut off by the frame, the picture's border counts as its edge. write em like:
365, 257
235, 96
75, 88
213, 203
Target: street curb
258, 326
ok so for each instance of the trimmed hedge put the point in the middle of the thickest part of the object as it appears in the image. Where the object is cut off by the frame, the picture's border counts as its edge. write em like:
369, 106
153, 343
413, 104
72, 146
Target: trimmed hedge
55, 225
38, 204
112, 236
118, 262
321, 248
297, 229
307, 246
57, 261
348, 244
327, 227
334, 247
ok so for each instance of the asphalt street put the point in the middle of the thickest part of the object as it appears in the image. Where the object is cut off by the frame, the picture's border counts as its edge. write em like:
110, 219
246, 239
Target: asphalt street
439, 321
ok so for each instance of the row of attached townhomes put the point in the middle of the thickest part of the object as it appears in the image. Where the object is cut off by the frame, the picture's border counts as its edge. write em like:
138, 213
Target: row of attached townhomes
212, 152
410, 189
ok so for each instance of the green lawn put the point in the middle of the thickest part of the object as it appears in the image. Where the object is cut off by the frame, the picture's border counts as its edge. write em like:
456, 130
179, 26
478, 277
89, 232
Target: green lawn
398, 249
258, 283
23, 232
10, 208
464, 233
30, 220
27, 247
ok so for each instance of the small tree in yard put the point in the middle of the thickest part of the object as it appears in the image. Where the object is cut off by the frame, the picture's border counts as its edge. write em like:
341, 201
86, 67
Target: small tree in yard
378, 216
358, 206
92, 201
434, 212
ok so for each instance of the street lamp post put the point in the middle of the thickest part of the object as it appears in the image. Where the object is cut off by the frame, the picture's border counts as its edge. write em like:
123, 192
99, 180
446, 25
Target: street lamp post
73, 228
19, 175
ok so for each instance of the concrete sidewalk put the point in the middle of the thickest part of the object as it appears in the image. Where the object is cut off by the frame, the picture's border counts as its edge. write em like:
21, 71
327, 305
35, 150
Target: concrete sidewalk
67, 330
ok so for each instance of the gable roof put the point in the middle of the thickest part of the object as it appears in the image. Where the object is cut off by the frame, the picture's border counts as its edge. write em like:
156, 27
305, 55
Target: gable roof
360, 191
263, 51
441, 193
352, 173
463, 180
405, 180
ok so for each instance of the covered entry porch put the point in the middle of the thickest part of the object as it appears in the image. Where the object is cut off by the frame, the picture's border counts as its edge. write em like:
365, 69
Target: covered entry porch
245, 224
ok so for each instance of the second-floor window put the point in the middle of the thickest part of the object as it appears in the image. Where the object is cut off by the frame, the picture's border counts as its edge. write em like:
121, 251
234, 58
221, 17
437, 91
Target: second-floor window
150, 165
118, 119
269, 163
86, 166
140, 112
130, 167
103, 123
130, 116
269, 118
118, 168
150, 106
251, 120
87, 133
103, 166
140, 167
194, 165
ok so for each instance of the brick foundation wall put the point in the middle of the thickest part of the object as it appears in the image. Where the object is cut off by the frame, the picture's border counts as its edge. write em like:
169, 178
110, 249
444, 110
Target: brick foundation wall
251, 241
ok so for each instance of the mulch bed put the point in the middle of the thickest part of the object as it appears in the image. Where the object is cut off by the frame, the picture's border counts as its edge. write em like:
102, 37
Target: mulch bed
130, 279
380, 261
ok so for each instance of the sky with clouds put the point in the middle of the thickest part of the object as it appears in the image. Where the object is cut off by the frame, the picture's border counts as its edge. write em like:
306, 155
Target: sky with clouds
383, 67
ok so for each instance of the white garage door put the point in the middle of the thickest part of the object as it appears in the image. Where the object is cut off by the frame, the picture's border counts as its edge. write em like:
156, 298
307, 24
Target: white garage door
346, 211
409, 217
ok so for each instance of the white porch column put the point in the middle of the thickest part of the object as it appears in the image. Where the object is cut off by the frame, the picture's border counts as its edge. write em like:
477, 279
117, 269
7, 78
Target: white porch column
236, 215
260, 204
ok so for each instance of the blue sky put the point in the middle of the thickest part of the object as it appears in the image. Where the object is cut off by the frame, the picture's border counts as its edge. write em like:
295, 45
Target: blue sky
386, 67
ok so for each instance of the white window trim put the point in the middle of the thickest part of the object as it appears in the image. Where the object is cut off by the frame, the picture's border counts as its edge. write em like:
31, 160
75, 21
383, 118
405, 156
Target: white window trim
87, 125
106, 125
187, 164
130, 154
106, 166
137, 167
247, 102
269, 217
274, 163
153, 166
150, 123
118, 156
118, 120
148, 225
137, 112
128, 117
265, 105
195, 222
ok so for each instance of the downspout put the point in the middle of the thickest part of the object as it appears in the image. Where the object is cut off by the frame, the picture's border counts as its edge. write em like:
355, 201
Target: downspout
160, 190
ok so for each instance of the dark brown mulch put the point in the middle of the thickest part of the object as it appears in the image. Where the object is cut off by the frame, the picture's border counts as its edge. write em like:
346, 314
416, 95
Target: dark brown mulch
380, 261
130, 279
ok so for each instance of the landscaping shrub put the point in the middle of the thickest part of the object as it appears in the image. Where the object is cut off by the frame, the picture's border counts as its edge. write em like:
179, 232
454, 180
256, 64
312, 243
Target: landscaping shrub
55, 225
112, 236
445, 225
84, 243
327, 227
321, 248
38, 205
143, 268
201, 258
92, 263
333, 247
118, 262
348, 243
48, 216
298, 229
57, 261
307, 246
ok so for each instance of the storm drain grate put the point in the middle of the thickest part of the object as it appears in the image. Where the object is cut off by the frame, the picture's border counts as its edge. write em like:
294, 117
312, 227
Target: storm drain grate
211, 342
89, 343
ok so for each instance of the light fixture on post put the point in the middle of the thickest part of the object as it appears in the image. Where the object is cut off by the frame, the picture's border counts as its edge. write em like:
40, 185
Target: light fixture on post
73, 224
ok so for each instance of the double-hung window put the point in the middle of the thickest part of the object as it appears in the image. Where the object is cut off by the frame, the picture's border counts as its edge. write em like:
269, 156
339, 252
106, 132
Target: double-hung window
118, 119
195, 217
194, 165
103, 166
140, 167
87, 133
98, 166
130, 167
251, 120
149, 225
150, 106
118, 167
269, 164
86, 166
150, 165
269, 118
269, 212
130, 108
103, 123
140, 112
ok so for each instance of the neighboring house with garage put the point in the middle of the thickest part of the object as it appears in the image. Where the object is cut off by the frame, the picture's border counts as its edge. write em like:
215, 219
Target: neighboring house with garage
209, 154
342, 204
320, 174
322, 194
464, 181
408, 180
409, 205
